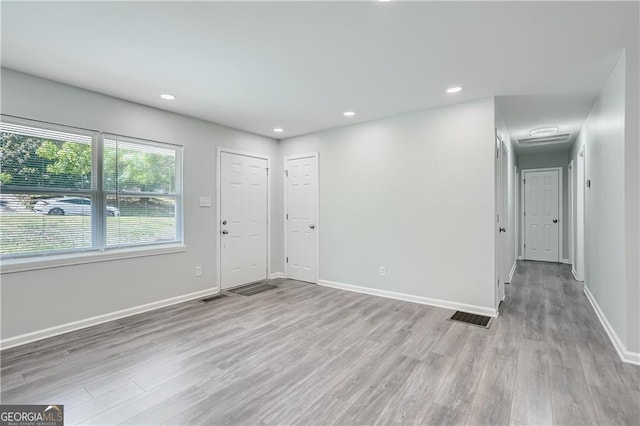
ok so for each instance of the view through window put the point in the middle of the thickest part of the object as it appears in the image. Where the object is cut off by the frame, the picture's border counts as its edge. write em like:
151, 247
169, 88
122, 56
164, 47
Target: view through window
52, 199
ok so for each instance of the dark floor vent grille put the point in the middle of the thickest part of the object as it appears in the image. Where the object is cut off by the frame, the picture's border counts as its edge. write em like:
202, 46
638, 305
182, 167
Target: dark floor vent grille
212, 298
479, 320
251, 289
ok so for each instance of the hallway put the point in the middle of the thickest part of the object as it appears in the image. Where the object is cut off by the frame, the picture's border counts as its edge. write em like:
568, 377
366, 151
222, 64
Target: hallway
566, 365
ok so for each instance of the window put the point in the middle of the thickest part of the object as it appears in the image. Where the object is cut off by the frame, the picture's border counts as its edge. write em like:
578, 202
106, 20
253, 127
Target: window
140, 182
54, 199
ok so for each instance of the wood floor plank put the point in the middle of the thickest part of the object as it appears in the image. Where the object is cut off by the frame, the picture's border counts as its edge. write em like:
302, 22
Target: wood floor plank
384, 390
612, 402
460, 385
492, 401
571, 401
326, 410
531, 402
82, 412
452, 340
411, 402
438, 414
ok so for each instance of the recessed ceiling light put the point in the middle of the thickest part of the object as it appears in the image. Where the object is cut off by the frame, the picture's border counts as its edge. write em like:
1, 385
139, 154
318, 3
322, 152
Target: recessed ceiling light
348, 113
544, 131
167, 97
455, 89
278, 129
384, 1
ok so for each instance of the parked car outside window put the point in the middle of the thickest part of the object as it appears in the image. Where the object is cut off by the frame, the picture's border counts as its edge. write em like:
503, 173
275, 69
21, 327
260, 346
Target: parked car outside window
70, 206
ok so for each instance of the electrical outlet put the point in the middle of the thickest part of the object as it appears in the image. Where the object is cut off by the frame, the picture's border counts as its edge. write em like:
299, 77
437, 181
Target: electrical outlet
383, 271
198, 271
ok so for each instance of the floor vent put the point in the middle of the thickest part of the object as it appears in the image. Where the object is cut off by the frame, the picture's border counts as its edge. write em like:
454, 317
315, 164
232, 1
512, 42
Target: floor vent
473, 319
251, 289
212, 298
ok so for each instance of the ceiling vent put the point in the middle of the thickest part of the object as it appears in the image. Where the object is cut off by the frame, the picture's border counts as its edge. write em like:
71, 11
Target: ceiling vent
545, 140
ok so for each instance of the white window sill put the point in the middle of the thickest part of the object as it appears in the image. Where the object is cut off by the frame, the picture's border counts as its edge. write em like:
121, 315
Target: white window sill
57, 261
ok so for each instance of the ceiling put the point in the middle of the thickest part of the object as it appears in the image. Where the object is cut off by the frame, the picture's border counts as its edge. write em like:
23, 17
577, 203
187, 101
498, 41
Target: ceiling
298, 65
527, 112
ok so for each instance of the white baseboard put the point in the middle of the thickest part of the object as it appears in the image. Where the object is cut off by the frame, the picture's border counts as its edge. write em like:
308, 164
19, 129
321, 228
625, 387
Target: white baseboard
623, 353
520, 258
565, 261
513, 271
480, 310
575, 275
88, 322
275, 275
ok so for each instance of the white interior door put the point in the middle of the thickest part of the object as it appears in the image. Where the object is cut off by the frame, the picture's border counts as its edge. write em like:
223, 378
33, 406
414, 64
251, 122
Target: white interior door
301, 185
501, 185
243, 219
541, 215
504, 218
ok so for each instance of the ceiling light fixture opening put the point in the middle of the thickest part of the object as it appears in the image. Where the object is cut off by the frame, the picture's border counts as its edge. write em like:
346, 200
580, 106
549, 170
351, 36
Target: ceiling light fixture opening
278, 129
544, 131
348, 113
453, 90
167, 97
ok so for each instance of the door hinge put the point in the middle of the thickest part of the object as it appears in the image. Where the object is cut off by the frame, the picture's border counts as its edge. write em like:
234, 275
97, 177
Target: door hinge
286, 173
267, 169
524, 181
287, 216
525, 213
497, 218
525, 245
287, 260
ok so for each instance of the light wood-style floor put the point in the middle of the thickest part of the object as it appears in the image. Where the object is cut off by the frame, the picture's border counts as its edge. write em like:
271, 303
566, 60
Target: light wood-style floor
305, 354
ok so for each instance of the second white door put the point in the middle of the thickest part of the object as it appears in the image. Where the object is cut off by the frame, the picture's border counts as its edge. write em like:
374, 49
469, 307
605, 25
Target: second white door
541, 215
243, 219
301, 174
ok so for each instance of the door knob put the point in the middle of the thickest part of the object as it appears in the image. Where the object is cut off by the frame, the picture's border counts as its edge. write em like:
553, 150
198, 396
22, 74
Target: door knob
503, 229
312, 226
225, 232
555, 220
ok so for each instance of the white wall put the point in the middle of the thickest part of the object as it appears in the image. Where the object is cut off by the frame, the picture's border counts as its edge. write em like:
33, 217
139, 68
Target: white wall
632, 186
531, 160
607, 230
41, 299
413, 193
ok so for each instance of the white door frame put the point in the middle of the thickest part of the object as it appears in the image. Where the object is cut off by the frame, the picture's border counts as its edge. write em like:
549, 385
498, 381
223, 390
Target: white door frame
572, 211
504, 190
560, 212
219, 212
516, 216
499, 221
286, 222
580, 215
